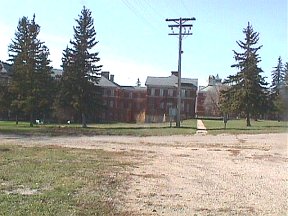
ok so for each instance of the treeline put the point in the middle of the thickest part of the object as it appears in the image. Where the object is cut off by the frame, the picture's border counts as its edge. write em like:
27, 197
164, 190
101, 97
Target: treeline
35, 93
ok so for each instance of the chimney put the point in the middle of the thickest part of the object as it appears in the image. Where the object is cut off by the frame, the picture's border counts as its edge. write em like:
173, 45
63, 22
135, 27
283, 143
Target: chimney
175, 73
105, 74
112, 78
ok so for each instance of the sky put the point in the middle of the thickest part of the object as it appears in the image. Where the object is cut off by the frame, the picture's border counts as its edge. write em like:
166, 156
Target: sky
133, 34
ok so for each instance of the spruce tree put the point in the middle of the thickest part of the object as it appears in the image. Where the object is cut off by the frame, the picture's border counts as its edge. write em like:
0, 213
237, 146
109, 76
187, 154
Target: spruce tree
63, 104
247, 92
80, 72
25, 54
286, 75
285, 91
278, 76
277, 86
44, 85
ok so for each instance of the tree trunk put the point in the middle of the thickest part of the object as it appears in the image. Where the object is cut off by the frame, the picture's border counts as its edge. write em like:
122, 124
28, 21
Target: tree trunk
84, 125
248, 124
278, 117
17, 121
31, 119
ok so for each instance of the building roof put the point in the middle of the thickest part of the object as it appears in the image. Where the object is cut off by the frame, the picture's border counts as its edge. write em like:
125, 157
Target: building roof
104, 82
134, 88
5, 68
57, 72
210, 88
171, 81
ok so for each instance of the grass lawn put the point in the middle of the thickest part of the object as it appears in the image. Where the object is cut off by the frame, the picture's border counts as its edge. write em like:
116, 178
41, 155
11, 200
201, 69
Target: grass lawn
59, 181
188, 127
239, 126
153, 129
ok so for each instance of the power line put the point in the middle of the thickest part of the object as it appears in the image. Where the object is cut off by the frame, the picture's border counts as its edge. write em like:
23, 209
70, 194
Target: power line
181, 24
134, 9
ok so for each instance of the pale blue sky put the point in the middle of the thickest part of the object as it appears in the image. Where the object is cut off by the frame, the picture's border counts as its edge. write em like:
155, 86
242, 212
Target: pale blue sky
133, 34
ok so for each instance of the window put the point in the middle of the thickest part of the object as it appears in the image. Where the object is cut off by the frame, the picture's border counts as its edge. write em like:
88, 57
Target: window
182, 106
183, 93
111, 103
157, 92
152, 91
161, 92
174, 93
170, 92
165, 92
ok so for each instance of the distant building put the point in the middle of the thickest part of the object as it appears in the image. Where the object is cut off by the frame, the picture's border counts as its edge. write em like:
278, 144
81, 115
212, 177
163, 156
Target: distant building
208, 98
5, 73
162, 97
122, 103
153, 103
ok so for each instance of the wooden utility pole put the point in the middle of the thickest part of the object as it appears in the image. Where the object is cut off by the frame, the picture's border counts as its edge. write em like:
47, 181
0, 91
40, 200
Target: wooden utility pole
187, 28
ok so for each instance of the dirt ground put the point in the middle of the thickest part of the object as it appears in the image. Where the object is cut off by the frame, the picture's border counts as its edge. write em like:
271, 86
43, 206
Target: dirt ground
195, 175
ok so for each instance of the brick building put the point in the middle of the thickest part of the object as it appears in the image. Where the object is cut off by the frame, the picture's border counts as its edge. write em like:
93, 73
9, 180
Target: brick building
135, 103
162, 97
122, 103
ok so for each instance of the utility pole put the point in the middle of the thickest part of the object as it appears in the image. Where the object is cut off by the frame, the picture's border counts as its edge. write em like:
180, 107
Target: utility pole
187, 28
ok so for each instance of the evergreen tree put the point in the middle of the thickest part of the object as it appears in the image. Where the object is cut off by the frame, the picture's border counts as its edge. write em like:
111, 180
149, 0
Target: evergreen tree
285, 92
286, 75
247, 92
80, 72
277, 85
45, 88
26, 54
278, 76
63, 105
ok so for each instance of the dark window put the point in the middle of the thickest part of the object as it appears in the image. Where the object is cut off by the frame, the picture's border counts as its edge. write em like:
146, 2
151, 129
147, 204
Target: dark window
148, 92
165, 93
157, 92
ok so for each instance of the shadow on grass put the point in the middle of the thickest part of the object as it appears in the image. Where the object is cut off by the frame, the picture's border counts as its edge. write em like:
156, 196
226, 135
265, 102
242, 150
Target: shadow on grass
98, 130
232, 129
139, 128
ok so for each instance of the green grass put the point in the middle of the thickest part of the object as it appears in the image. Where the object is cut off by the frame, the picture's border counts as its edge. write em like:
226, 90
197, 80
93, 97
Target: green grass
239, 126
153, 129
188, 127
59, 181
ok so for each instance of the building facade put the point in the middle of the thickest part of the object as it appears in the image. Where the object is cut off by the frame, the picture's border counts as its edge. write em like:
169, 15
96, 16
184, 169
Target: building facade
5, 73
162, 98
122, 103
208, 98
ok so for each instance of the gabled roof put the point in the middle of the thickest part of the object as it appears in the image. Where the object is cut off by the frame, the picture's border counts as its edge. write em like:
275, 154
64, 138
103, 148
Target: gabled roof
204, 89
134, 88
171, 81
104, 82
5, 68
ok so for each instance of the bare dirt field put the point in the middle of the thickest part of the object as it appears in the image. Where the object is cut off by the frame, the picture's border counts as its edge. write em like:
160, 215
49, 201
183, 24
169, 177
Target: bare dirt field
194, 175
